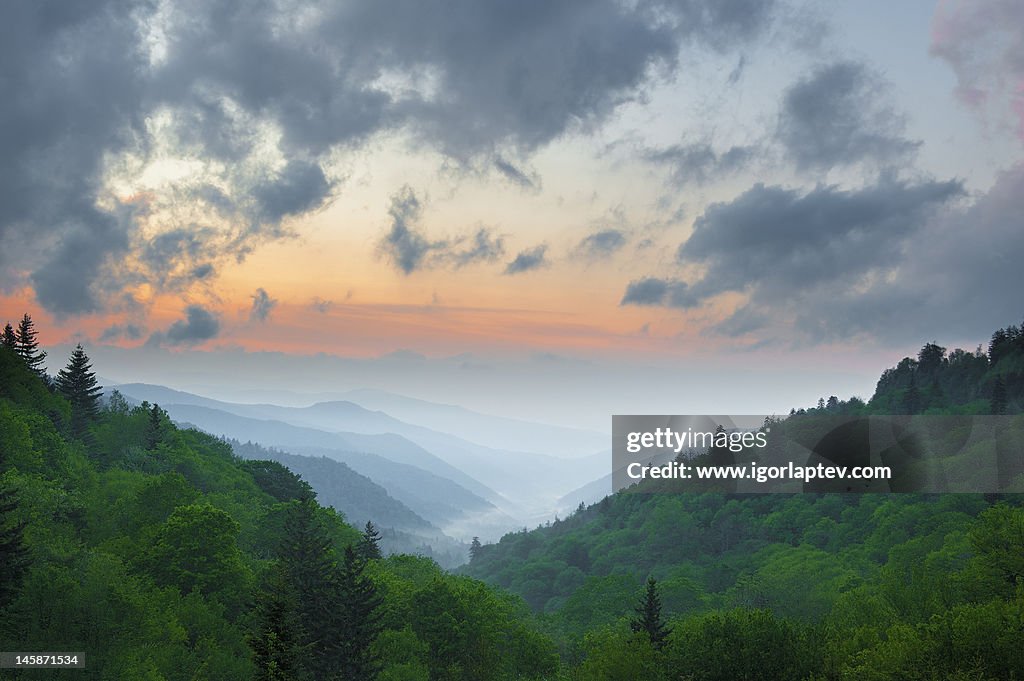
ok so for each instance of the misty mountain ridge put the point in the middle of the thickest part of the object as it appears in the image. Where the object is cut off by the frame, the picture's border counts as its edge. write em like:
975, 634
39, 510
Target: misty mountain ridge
524, 484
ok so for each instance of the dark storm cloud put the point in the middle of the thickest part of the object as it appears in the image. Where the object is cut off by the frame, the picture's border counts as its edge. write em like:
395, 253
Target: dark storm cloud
601, 244
529, 259
699, 163
840, 115
172, 260
84, 84
199, 325
523, 73
893, 260
299, 188
67, 281
959, 276
64, 101
652, 291
777, 241
262, 304
409, 249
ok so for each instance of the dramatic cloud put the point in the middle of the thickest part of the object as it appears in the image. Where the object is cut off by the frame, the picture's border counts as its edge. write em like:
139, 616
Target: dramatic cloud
840, 115
699, 163
653, 291
984, 45
775, 241
836, 263
255, 101
299, 188
601, 244
410, 250
959, 276
199, 325
174, 259
530, 259
262, 304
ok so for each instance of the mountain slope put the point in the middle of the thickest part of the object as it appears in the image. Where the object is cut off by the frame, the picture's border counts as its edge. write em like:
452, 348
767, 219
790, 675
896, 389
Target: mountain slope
529, 480
361, 500
248, 422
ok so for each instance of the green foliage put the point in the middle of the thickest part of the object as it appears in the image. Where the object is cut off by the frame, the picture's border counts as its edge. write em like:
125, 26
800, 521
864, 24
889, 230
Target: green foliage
14, 557
648, 617
278, 640
8, 340
369, 543
140, 545
196, 549
276, 480
26, 344
743, 644
77, 383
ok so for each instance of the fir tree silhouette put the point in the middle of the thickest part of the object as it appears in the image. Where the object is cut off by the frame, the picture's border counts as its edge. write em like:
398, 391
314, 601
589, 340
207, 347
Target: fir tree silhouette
648, 617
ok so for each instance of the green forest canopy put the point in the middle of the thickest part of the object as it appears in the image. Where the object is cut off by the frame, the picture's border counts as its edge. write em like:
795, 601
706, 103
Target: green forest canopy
161, 555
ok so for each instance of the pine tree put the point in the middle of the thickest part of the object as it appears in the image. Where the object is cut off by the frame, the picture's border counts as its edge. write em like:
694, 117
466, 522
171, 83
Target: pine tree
369, 543
648, 619
9, 340
362, 620
14, 558
154, 427
27, 346
77, 383
278, 639
474, 548
307, 558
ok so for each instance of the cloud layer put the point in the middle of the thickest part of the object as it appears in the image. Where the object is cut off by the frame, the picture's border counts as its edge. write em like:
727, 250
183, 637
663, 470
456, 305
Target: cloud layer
256, 99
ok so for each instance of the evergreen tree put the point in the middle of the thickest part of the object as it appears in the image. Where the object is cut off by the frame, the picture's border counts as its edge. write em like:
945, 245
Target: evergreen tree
27, 346
369, 543
277, 640
9, 340
997, 405
77, 383
14, 557
362, 620
931, 358
307, 558
648, 619
474, 548
154, 427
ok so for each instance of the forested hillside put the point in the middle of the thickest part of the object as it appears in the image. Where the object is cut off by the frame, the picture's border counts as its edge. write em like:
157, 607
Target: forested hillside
161, 555
857, 586
361, 500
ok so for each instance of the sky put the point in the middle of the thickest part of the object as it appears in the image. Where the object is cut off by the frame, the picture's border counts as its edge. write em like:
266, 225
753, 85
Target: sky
554, 210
